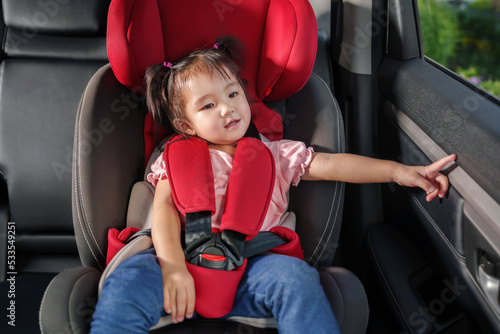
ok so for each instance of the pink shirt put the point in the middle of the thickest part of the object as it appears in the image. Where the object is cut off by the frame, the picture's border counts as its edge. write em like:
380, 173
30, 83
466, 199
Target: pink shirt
291, 159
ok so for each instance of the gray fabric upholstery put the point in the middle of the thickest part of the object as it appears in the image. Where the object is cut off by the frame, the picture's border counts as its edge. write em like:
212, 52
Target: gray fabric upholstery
69, 301
347, 298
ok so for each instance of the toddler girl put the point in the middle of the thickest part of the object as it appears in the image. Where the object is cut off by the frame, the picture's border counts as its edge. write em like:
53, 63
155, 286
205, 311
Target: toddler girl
202, 95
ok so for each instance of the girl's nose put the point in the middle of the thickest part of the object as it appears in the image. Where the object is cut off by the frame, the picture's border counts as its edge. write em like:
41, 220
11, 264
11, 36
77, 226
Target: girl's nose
226, 109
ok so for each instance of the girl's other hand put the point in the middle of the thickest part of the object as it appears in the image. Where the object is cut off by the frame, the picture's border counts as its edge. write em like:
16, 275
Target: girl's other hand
178, 292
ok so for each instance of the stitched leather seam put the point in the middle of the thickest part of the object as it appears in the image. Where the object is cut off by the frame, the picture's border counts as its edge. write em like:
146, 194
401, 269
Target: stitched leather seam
340, 148
459, 256
83, 221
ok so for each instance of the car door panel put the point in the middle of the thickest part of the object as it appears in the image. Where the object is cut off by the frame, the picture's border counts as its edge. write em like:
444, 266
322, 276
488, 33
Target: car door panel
436, 114
451, 246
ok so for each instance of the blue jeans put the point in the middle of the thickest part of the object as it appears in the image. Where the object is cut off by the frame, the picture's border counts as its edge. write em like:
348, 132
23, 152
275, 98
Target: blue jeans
274, 285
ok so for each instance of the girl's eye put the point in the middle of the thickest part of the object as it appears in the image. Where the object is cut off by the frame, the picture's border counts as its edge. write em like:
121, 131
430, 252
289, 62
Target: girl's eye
208, 106
233, 94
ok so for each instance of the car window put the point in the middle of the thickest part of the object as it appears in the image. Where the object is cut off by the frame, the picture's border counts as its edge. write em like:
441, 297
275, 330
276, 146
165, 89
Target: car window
463, 36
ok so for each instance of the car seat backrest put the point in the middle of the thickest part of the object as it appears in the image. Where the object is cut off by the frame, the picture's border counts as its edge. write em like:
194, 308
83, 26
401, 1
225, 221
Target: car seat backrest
280, 38
50, 51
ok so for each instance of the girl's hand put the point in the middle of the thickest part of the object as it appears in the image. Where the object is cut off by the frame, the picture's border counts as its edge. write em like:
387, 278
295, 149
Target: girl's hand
178, 292
426, 177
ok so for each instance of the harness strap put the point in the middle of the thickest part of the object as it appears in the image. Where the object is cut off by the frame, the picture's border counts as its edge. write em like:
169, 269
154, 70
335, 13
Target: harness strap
198, 229
261, 243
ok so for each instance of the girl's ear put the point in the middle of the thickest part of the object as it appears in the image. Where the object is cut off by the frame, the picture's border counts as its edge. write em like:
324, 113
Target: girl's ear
183, 127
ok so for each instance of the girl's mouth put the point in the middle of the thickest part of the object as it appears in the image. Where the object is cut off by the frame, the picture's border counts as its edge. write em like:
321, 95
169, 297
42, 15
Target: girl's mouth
232, 122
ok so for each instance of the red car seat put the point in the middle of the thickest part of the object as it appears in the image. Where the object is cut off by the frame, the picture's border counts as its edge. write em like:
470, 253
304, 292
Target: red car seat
281, 40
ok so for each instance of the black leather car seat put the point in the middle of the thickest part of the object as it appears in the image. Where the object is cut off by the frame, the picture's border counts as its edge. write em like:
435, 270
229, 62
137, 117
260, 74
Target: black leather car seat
50, 49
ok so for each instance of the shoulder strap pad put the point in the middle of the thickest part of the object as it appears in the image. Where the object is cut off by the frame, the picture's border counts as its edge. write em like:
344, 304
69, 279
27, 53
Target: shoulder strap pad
250, 188
190, 174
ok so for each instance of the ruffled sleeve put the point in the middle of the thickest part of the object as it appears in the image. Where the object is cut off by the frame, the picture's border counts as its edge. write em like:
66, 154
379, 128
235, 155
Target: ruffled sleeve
158, 171
294, 158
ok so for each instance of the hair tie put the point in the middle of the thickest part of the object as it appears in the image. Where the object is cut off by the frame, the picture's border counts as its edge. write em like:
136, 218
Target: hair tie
169, 64
216, 46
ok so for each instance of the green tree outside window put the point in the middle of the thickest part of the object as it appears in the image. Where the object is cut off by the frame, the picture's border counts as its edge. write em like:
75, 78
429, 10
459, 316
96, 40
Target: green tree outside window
463, 36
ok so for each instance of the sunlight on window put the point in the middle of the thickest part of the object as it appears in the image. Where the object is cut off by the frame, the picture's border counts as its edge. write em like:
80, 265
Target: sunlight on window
464, 36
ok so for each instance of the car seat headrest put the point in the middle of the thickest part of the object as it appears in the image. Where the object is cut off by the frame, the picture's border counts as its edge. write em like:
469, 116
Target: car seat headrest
280, 39
55, 29
75, 17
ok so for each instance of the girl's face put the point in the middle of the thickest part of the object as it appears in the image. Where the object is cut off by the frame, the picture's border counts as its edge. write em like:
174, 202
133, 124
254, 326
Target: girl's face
217, 108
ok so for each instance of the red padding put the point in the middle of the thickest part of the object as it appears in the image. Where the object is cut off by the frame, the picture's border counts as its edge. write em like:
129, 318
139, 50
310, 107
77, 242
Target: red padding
190, 175
215, 289
288, 50
293, 247
116, 241
249, 189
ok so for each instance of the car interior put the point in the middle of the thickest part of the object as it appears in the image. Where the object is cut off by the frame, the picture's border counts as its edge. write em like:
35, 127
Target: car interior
72, 108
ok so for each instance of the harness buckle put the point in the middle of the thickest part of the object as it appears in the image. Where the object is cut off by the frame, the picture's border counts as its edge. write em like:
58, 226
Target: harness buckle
214, 254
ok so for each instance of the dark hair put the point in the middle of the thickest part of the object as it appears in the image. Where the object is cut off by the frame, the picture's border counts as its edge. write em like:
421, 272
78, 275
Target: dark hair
165, 84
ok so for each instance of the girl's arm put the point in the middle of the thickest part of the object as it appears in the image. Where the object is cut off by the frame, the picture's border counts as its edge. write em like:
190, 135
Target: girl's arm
178, 284
358, 169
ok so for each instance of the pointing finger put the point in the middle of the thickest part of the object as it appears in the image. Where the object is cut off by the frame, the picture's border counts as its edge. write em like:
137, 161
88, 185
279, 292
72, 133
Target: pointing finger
435, 167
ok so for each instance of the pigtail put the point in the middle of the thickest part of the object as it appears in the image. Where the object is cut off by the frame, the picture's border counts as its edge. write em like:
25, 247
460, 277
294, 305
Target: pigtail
157, 100
233, 47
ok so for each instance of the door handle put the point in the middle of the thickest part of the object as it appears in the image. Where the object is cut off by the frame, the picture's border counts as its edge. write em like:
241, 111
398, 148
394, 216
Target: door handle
489, 282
